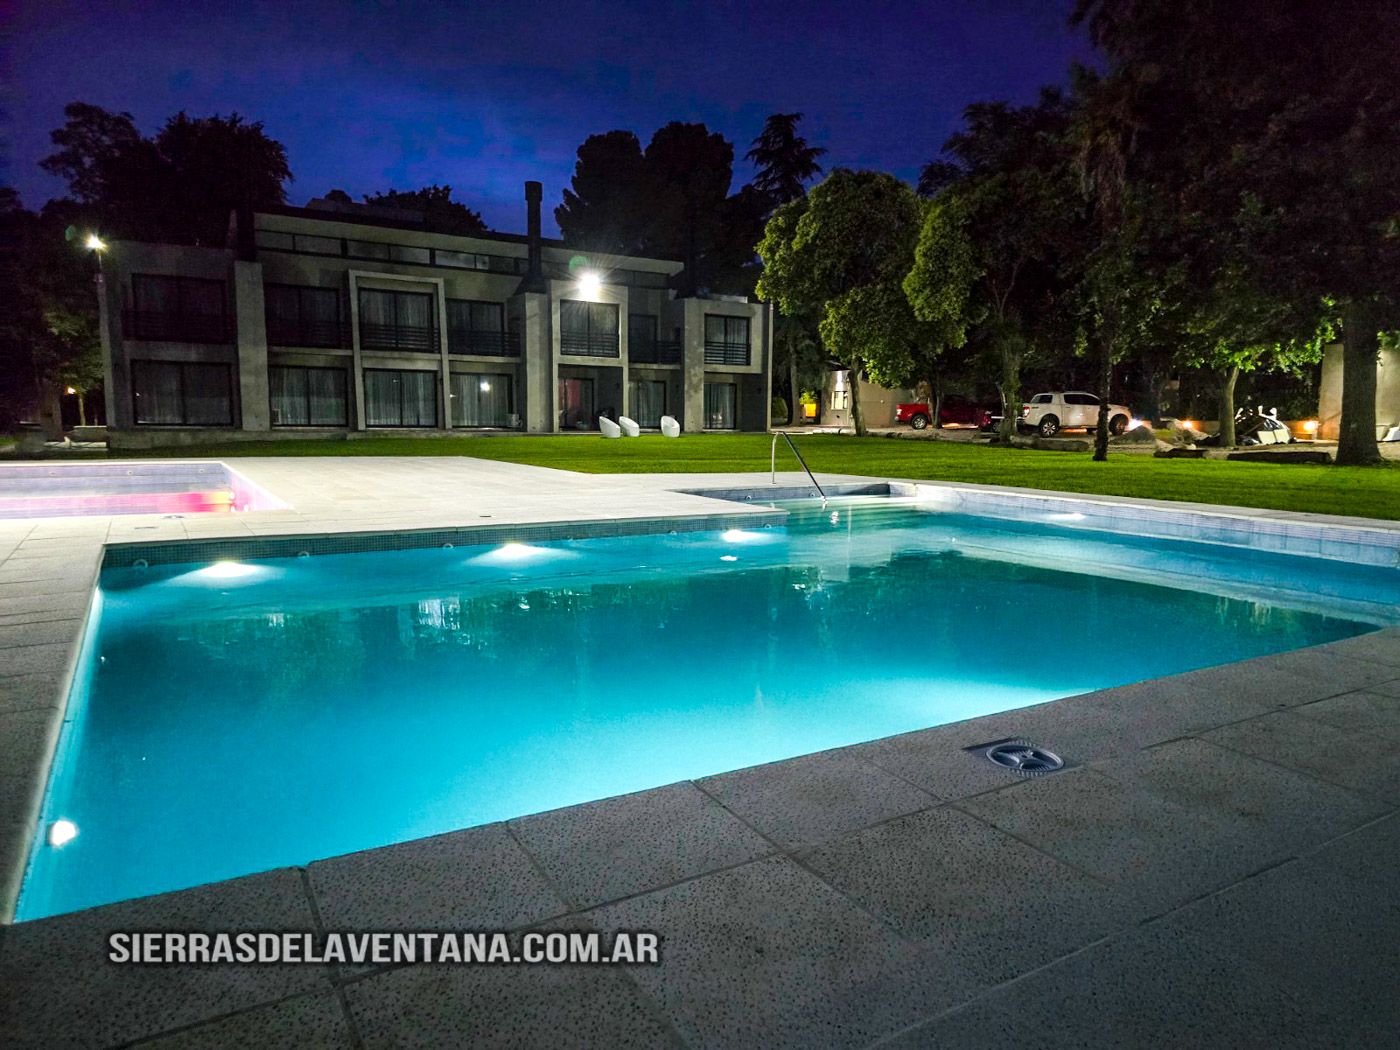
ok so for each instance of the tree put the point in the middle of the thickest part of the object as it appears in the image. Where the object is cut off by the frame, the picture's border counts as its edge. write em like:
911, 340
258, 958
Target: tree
670, 200
1294, 159
842, 251
998, 255
798, 355
607, 208
784, 160
48, 327
180, 185
436, 205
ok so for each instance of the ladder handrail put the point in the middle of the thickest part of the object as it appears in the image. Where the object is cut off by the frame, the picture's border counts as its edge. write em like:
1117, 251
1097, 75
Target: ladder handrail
773, 463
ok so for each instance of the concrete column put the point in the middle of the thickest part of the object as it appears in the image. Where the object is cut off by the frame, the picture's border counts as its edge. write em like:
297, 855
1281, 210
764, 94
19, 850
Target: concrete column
445, 414
357, 368
252, 345
116, 375
693, 366
537, 363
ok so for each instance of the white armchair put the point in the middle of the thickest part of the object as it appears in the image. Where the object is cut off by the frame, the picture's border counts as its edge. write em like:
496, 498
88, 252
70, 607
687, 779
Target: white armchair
629, 426
670, 427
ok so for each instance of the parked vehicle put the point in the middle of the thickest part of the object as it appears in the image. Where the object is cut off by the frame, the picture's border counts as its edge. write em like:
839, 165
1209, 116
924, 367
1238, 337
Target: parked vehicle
1048, 414
955, 411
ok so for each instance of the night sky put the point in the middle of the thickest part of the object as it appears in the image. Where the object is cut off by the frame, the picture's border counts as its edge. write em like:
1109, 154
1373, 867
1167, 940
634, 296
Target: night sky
486, 95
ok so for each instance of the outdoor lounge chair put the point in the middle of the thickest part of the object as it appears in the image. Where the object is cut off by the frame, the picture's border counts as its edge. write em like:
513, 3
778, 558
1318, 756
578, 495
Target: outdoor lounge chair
629, 426
670, 427
609, 428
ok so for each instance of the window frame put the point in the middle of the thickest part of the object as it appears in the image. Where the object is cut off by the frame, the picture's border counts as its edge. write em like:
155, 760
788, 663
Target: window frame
182, 366
436, 424
345, 375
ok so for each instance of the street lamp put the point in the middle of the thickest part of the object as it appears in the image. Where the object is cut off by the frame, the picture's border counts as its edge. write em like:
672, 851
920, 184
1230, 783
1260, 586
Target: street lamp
95, 243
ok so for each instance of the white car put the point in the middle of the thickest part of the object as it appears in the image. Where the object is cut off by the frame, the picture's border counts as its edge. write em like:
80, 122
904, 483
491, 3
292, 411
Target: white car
1048, 414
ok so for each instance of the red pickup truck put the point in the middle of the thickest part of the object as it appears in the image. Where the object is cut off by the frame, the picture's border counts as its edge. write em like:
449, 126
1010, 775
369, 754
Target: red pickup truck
956, 411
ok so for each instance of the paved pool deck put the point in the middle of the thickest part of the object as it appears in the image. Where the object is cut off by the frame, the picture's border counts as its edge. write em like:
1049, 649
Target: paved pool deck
1219, 866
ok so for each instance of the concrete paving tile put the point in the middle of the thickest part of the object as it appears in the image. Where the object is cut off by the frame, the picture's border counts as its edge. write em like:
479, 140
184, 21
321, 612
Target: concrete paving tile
1331, 671
26, 741
605, 850
49, 658
478, 879
1379, 646
308, 1022
1391, 688
44, 632
1295, 810
768, 955
1317, 933
1365, 712
31, 692
16, 791
1163, 853
936, 761
505, 1007
46, 602
949, 882
814, 797
1370, 854
1338, 756
1142, 989
61, 991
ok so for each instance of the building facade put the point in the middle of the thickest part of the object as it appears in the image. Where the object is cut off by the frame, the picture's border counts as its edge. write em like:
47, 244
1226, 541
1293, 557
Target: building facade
343, 319
1329, 408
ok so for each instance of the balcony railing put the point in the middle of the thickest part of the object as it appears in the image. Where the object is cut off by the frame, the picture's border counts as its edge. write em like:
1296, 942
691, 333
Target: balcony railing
655, 352
586, 344
411, 338
333, 335
483, 343
176, 328
717, 353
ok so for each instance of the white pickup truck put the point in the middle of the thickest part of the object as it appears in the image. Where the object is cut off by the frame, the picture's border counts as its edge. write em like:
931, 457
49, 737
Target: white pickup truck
1048, 414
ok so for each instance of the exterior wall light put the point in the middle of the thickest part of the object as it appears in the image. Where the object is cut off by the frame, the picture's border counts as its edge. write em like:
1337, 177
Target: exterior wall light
589, 283
95, 243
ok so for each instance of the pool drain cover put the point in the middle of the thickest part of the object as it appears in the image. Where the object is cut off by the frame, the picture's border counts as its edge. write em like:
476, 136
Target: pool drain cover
1020, 756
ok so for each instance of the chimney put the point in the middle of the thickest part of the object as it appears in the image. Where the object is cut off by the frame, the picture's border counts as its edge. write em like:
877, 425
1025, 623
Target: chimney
533, 280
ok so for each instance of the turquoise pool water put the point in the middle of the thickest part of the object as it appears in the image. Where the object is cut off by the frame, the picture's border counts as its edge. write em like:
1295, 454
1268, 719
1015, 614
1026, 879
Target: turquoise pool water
238, 717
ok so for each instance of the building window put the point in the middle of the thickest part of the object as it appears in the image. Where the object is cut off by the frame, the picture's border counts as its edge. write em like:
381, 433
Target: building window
398, 321
726, 340
182, 393
647, 400
481, 400
840, 399
479, 327
400, 398
720, 401
588, 329
309, 397
298, 315
177, 309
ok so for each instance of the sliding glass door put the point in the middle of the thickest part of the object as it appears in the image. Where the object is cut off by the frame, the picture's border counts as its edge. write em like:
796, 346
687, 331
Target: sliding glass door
481, 400
576, 410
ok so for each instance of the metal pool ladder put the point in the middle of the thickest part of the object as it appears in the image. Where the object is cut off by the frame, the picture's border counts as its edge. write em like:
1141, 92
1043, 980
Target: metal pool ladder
773, 463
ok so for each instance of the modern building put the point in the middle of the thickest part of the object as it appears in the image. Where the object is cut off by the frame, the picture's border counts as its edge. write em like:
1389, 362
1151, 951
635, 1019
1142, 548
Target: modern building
878, 405
348, 319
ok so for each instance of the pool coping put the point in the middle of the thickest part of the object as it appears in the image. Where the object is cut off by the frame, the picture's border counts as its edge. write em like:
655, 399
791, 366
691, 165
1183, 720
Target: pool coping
21, 806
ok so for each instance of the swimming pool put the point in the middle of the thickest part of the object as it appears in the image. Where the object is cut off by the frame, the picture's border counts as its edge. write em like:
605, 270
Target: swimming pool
234, 717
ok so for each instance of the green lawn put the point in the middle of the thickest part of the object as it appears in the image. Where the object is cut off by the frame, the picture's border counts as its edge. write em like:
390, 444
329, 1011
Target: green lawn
1372, 492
